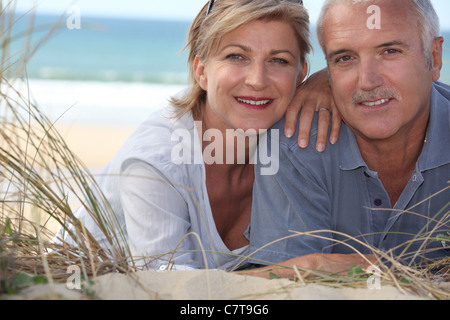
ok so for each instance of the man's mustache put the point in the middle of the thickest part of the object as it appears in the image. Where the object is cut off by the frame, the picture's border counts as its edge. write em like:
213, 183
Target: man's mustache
374, 95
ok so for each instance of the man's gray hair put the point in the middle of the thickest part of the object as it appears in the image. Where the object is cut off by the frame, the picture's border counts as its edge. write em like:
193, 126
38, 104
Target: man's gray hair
428, 22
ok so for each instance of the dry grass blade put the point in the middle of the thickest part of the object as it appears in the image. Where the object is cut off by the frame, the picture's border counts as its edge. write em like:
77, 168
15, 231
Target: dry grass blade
38, 175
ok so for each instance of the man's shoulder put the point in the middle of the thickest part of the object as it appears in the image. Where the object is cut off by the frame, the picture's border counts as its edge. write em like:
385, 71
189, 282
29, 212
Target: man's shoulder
440, 106
345, 138
443, 89
343, 154
292, 142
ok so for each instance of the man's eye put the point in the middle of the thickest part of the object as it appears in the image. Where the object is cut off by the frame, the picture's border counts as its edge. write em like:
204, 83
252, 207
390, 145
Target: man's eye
344, 59
391, 51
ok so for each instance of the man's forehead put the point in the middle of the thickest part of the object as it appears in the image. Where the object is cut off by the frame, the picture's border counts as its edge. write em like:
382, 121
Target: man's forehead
368, 14
368, 21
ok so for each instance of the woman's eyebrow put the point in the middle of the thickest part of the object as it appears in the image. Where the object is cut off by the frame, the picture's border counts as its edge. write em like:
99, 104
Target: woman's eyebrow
275, 52
241, 46
248, 49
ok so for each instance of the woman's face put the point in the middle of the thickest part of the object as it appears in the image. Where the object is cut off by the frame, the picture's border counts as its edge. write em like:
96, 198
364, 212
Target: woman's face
252, 77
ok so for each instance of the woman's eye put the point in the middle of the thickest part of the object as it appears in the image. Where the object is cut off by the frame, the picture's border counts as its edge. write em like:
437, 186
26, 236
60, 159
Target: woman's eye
234, 57
280, 61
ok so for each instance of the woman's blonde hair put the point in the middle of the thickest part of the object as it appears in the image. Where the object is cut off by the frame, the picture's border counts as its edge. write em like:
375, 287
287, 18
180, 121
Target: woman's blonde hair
206, 33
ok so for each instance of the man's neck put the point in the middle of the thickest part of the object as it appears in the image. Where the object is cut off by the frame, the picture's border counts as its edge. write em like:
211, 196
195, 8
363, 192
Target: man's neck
394, 159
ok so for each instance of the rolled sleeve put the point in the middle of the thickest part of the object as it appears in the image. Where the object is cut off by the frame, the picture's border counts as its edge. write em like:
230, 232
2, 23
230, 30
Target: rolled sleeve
156, 216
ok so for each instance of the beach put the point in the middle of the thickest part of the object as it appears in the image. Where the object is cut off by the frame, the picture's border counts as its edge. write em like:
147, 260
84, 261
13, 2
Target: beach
95, 118
212, 285
95, 145
95, 111
95, 141
102, 117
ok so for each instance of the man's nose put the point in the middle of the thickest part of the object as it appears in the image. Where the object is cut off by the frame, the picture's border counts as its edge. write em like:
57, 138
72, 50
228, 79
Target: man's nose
369, 74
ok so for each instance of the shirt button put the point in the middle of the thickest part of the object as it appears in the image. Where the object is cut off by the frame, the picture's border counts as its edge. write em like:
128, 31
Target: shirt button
378, 202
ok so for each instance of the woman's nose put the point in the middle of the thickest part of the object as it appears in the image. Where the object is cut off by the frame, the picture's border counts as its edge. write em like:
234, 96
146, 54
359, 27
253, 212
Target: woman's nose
256, 76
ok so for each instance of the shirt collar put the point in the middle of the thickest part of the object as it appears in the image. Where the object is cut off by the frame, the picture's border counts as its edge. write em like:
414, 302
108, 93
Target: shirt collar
436, 150
350, 157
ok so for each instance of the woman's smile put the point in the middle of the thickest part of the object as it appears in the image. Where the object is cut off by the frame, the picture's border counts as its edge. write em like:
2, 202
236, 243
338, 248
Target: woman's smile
254, 103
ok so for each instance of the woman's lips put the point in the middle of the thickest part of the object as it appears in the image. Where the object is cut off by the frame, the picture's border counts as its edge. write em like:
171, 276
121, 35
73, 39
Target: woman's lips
255, 103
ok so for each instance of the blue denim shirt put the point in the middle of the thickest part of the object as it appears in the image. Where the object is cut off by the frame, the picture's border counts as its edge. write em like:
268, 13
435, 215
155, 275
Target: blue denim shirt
333, 195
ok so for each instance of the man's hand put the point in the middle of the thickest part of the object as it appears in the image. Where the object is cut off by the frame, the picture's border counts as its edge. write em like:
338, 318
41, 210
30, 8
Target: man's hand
330, 263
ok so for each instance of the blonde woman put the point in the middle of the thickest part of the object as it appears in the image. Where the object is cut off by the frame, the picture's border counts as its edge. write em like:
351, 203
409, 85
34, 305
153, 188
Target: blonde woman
181, 182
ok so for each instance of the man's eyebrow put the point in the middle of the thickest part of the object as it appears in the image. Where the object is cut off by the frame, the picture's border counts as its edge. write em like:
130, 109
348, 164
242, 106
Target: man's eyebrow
393, 43
383, 45
337, 52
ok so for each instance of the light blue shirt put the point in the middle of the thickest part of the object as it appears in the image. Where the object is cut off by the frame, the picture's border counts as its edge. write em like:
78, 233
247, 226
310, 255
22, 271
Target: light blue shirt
335, 190
156, 188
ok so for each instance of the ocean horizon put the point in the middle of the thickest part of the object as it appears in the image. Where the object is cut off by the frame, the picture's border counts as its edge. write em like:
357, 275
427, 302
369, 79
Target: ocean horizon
116, 71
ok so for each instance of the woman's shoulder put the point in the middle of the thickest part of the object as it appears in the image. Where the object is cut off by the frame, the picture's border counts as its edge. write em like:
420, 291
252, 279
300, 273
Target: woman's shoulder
163, 141
161, 128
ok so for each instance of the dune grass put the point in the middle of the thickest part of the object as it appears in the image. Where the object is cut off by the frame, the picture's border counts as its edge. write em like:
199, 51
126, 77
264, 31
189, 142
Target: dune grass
40, 176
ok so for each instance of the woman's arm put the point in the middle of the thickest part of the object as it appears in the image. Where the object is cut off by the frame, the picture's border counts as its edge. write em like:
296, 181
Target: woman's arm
156, 216
311, 97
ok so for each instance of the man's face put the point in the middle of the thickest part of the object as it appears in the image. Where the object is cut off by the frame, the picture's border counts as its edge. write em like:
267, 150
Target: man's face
380, 79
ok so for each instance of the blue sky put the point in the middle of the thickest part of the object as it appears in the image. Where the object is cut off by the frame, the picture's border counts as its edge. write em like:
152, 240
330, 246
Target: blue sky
169, 9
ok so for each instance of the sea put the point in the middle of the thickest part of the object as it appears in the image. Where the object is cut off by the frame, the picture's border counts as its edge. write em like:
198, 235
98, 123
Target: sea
115, 71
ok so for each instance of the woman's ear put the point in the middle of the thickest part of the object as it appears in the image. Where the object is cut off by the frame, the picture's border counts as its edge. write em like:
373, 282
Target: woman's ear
200, 73
303, 74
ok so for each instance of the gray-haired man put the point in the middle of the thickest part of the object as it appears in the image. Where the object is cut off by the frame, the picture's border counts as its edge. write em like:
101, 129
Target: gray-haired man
386, 182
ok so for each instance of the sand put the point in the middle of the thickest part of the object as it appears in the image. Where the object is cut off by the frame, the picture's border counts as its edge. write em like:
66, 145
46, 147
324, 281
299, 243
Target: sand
95, 145
220, 285
206, 285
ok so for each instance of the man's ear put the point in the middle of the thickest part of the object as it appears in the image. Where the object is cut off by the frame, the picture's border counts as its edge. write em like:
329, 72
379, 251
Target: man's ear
200, 73
436, 51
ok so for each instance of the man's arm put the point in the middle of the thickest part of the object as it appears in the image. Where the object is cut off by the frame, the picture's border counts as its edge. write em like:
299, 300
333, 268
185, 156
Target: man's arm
306, 265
